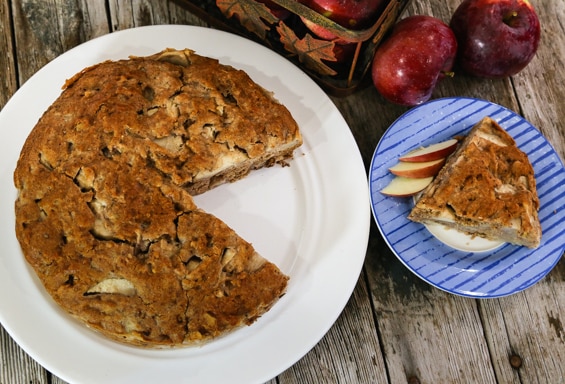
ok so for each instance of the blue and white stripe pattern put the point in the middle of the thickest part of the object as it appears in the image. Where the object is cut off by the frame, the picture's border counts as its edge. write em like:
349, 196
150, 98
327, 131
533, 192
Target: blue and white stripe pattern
500, 272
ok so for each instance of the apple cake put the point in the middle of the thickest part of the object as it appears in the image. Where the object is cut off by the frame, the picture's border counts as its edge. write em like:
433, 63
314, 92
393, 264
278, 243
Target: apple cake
487, 188
105, 215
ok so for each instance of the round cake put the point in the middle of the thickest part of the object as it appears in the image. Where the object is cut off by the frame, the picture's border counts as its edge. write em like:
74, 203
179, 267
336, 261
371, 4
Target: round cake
105, 214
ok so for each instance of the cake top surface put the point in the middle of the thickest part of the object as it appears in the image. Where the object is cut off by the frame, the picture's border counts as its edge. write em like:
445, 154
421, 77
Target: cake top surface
185, 114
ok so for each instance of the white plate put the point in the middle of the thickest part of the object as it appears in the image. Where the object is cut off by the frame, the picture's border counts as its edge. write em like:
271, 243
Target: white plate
311, 218
446, 259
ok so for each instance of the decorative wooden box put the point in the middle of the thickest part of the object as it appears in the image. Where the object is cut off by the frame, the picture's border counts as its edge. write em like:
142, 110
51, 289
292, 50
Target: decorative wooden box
339, 65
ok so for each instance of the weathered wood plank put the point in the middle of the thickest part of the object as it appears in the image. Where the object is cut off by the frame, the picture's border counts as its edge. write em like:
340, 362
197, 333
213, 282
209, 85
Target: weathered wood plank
426, 334
348, 353
528, 326
8, 82
179, 15
46, 29
542, 97
149, 12
137, 13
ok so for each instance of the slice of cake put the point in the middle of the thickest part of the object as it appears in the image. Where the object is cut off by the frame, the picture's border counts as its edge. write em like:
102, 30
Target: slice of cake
105, 214
487, 188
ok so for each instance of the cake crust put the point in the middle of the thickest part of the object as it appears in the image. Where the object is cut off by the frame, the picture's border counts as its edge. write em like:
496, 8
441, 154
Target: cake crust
105, 214
487, 188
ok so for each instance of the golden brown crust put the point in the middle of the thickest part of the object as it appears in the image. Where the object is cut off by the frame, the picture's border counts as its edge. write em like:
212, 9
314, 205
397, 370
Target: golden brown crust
487, 188
105, 215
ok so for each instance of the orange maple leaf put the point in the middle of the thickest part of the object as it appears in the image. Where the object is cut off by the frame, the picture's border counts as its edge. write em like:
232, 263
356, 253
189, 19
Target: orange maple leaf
310, 51
254, 16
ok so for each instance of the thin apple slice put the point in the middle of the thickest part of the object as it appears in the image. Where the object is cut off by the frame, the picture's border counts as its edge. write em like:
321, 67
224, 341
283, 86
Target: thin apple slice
417, 170
433, 152
406, 186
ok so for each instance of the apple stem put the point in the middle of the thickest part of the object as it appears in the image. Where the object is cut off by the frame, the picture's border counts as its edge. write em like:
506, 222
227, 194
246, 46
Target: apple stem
510, 18
448, 73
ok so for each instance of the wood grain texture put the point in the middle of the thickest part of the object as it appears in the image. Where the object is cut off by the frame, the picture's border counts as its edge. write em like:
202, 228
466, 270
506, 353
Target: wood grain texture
8, 75
16, 367
426, 334
542, 99
529, 325
46, 29
395, 328
137, 13
350, 351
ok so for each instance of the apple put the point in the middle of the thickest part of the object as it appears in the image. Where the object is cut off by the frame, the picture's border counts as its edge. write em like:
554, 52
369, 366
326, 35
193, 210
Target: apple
321, 32
497, 38
406, 186
433, 152
278, 11
350, 14
407, 66
417, 170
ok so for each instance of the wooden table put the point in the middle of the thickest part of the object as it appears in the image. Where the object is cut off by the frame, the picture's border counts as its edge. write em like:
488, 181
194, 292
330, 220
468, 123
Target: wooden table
395, 328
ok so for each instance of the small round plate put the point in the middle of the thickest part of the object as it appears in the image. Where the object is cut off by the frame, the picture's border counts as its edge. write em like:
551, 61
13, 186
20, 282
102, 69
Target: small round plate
446, 259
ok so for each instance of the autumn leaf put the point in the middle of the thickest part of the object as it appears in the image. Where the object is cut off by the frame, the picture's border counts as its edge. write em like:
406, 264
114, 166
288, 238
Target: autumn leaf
254, 16
310, 51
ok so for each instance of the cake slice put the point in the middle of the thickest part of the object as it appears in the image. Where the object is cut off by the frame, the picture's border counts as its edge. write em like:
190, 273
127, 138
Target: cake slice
487, 188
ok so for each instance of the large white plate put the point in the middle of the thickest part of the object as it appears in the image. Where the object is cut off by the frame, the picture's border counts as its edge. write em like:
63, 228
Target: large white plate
311, 218
490, 273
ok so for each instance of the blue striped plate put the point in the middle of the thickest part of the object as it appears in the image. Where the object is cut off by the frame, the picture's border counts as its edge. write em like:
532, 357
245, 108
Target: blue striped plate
500, 272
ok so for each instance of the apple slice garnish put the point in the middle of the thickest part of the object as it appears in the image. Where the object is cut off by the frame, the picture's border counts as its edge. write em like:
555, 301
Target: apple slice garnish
417, 170
433, 152
406, 186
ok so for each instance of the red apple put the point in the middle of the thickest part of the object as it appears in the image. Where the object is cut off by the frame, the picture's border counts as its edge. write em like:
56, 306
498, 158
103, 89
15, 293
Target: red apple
433, 152
350, 14
407, 66
417, 170
318, 30
406, 186
344, 51
497, 38
278, 11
